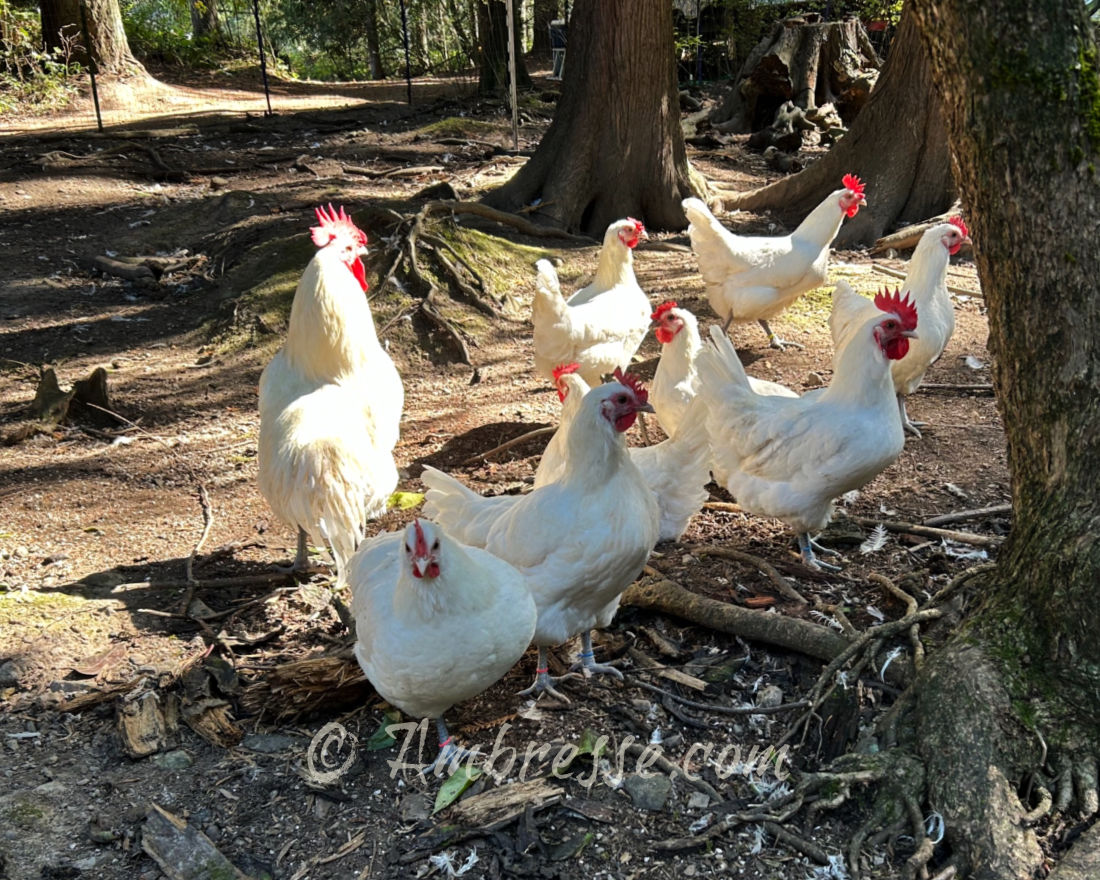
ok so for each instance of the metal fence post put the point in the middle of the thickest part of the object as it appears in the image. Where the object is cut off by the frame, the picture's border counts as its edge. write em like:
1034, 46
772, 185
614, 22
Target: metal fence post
263, 60
91, 65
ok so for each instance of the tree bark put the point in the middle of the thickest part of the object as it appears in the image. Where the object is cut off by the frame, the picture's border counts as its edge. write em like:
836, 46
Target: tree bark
493, 26
109, 47
897, 145
374, 51
204, 19
615, 147
546, 11
1019, 690
811, 64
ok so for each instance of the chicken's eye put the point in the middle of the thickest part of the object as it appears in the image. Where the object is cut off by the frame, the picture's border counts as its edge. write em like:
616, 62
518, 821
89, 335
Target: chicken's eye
621, 398
435, 544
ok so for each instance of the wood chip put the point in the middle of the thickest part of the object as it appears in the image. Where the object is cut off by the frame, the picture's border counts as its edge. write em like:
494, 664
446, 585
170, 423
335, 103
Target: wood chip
182, 851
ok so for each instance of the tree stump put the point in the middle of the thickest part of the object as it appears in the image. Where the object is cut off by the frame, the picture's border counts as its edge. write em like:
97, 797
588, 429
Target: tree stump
811, 63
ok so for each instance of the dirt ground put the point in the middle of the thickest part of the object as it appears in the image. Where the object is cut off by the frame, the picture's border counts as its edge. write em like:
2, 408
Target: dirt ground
101, 518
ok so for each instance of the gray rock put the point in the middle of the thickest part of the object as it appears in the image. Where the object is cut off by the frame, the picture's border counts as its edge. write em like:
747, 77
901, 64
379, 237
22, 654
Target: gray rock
770, 696
106, 579
698, 800
649, 792
177, 759
268, 743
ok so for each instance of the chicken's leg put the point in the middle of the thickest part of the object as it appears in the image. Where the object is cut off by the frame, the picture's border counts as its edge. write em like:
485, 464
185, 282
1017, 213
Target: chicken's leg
587, 662
450, 755
544, 682
806, 546
301, 557
910, 427
775, 341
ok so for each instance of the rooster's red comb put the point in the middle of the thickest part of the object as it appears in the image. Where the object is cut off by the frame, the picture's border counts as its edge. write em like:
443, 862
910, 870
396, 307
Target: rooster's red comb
332, 224
564, 370
904, 308
633, 383
661, 309
853, 183
421, 548
639, 226
957, 222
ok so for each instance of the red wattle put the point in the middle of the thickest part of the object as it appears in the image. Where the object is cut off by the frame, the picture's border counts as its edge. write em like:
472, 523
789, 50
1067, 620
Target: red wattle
623, 422
897, 348
852, 210
360, 273
954, 249
664, 335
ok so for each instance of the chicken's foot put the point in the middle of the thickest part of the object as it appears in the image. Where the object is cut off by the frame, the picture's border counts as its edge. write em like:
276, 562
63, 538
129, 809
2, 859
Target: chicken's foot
586, 660
544, 682
301, 563
910, 427
806, 546
776, 342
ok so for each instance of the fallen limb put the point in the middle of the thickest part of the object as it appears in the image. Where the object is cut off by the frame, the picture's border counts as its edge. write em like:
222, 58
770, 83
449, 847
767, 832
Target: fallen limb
508, 444
930, 532
508, 219
720, 710
908, 236
668, 597
963, 515
984, 387
782, 585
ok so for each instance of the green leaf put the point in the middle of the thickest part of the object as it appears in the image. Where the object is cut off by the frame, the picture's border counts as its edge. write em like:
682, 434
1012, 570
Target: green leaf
380, 739
405, 500
450, 790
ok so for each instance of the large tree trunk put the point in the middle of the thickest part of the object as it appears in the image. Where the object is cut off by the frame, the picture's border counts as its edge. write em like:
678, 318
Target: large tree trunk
897, 145
493, 26
1019, 691
109, 47
615, 147
811, 64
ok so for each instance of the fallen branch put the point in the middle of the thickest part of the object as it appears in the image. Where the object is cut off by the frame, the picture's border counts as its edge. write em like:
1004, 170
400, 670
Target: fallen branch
908, 236
963, 515
182, 851
508, 219
984, 387
929, 532
508, 444
720, 710
668, 597
782, 585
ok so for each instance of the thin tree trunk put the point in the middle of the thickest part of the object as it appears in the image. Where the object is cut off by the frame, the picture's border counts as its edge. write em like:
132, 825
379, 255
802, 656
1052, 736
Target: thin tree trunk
546, 11
374, 52
205, 23
615, 147
897, 145
493, 29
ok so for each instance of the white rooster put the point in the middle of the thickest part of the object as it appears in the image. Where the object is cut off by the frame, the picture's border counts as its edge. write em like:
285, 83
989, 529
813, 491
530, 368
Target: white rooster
677, 470
926, 283
436, 622
580, 540
676, 380
600, 326
330, 403
754, 278
791, 457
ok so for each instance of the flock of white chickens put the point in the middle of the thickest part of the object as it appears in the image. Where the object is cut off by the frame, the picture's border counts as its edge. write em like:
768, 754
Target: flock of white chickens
445, 608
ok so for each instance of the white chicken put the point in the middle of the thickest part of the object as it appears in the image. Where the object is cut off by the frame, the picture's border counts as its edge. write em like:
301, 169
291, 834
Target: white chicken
600, 326
676, 470
580, 540
926, 283
791, 457
330, 403
754, 278
676, 380
436, 622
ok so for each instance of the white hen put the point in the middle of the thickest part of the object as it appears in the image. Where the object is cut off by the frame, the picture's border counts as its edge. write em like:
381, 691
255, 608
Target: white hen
676, 380
580, 540
330, 403
676, 470
926, 283
754, 278
791, 457
437, 622
600, 326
